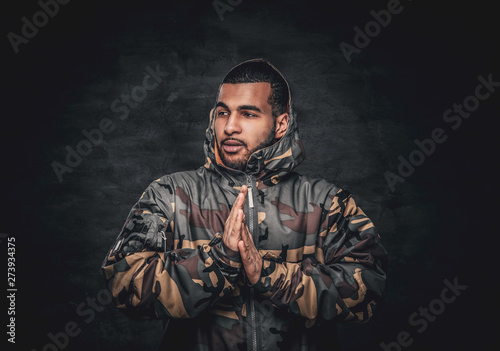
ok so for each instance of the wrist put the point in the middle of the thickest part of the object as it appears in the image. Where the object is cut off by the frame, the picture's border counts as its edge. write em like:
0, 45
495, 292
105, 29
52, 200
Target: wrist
223, 254
216, 248
262, 286
253, 279
230, 270
230, 253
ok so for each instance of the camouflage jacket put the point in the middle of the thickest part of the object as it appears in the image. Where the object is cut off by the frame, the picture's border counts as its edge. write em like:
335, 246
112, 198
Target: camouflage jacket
322, 258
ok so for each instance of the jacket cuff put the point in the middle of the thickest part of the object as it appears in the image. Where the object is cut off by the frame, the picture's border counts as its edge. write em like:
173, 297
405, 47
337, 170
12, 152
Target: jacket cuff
229, 256
264, 285
229, 266
226, 255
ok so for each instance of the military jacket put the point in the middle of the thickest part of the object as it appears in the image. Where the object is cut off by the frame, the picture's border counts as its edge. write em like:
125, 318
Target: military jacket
323, 261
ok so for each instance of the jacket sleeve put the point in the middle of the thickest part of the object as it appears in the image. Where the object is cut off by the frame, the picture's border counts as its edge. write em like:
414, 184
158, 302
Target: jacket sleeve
149, 278
344, 281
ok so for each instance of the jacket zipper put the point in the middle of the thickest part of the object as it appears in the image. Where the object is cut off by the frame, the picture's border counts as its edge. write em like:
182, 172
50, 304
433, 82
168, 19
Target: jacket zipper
251, 229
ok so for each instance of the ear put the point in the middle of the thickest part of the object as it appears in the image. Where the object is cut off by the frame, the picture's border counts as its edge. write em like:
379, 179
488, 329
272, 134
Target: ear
281, 125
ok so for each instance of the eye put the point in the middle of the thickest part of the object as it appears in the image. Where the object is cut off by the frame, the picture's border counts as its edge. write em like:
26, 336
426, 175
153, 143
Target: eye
248, 114
222, 113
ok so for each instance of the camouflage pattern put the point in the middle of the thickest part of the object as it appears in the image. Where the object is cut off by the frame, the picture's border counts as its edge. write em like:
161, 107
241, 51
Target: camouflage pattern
323, 261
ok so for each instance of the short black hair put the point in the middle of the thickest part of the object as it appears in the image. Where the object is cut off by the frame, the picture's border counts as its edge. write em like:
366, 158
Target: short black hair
262, 71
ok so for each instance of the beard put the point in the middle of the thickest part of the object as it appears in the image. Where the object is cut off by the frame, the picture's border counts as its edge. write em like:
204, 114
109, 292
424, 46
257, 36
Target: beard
241, 163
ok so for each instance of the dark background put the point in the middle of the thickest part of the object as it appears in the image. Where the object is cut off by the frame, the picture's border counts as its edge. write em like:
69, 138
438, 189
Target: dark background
355, 120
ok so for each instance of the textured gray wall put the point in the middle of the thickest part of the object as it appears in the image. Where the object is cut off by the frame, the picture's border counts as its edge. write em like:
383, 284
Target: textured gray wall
355, 120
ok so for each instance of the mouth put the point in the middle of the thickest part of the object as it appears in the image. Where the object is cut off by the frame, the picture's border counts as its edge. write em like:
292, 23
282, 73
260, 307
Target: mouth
232, 146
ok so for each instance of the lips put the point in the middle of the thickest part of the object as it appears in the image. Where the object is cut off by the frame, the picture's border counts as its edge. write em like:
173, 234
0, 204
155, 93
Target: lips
232, 146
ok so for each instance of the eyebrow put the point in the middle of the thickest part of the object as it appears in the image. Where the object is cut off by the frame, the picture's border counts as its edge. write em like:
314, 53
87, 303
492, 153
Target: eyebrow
242, 107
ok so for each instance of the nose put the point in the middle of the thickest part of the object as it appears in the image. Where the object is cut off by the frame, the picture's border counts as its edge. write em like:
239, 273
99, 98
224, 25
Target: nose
232, 125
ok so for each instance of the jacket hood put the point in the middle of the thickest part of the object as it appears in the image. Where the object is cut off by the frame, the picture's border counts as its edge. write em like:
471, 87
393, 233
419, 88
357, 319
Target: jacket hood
269, 164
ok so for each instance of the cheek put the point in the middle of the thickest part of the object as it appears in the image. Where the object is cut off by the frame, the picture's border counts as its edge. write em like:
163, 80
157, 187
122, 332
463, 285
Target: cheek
258, 133
264, 130
218, 126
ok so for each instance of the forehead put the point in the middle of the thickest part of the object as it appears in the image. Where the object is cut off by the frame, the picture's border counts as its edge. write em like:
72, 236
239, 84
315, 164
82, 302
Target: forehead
234, 95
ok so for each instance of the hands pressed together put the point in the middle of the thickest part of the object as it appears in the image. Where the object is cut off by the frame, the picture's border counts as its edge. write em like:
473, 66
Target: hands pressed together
237, 238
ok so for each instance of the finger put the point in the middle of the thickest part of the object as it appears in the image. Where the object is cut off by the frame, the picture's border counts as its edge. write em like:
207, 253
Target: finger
250, 237
243, 227
240, 199
243, 222
230, 223
238, 223
245, 236
232, 228
239, 203
244, 190
243, 251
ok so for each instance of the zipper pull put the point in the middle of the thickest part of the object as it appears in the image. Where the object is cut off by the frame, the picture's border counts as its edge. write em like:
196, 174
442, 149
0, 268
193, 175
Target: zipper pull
250, 197
250, 192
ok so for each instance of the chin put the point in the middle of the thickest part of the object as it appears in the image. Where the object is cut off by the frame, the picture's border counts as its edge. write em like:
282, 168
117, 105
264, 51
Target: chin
239, 165
235, 162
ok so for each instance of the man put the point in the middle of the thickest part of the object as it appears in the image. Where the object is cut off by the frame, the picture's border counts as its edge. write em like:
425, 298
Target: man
244, 253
